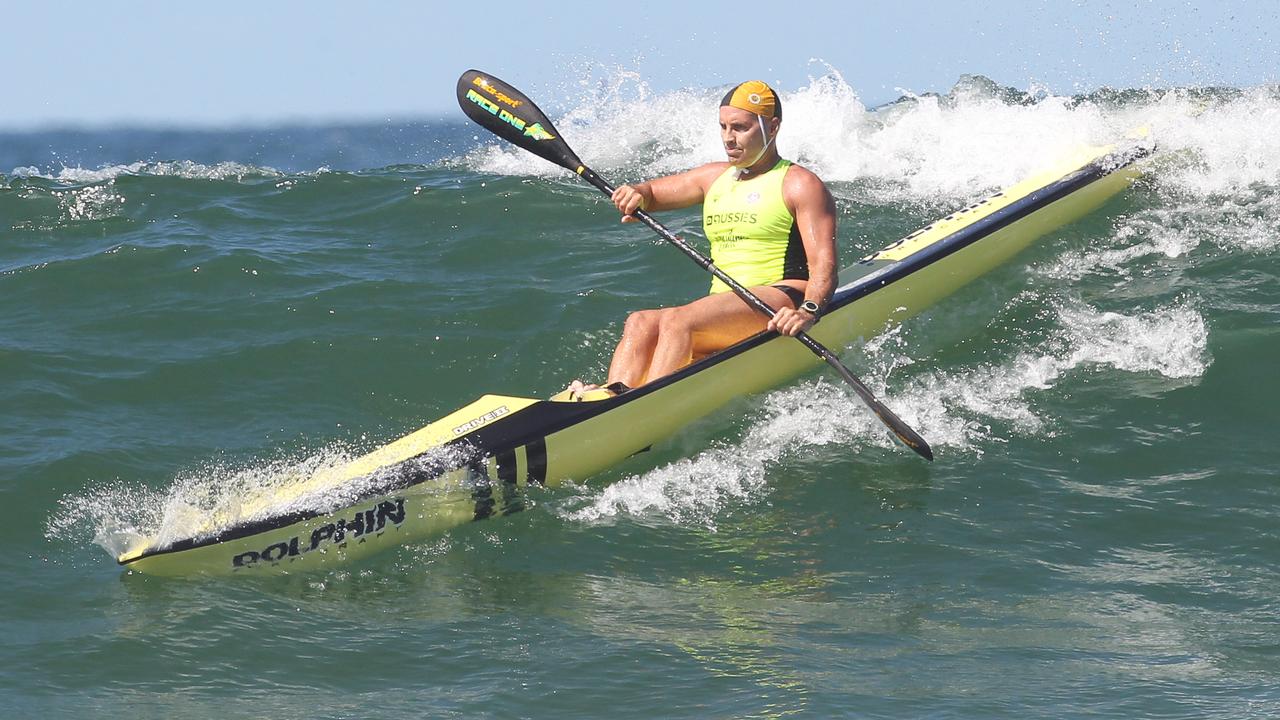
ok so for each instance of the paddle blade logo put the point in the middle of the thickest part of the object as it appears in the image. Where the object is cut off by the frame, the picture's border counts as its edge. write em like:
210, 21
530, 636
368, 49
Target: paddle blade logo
507, 113
535, 131
493, 106
500, 96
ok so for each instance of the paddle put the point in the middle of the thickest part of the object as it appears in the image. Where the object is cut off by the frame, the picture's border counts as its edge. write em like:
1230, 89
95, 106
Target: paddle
509, 114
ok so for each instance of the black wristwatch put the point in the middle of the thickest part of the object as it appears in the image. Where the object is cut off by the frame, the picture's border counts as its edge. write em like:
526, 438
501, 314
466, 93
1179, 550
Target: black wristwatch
811, 307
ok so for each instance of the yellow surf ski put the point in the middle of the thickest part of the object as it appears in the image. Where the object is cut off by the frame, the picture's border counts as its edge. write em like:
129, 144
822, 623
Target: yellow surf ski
475, 463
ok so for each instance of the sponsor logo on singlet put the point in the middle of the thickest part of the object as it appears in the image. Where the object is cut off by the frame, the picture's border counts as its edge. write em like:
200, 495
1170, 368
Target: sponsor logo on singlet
726, 218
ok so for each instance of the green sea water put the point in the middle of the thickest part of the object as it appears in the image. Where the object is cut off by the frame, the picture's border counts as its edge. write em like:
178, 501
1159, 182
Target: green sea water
205, 311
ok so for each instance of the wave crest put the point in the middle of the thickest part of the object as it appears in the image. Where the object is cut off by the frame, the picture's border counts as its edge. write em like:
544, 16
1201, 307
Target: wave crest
922, 148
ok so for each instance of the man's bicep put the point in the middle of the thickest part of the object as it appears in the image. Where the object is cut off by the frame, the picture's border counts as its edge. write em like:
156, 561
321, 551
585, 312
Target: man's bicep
679, 190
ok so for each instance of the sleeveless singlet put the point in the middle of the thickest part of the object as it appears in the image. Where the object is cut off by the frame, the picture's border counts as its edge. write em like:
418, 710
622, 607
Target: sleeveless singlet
754, 238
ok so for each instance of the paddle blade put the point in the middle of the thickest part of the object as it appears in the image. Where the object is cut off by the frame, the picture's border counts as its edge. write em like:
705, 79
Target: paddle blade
507, 113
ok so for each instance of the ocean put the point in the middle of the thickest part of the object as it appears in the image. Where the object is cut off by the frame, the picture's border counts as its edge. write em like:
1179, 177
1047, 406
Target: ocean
199, 312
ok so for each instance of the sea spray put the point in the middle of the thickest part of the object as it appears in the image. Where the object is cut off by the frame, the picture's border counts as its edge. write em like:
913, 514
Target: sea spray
206, 501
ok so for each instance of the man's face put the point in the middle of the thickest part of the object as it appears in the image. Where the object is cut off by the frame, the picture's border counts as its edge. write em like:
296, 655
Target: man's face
740, 133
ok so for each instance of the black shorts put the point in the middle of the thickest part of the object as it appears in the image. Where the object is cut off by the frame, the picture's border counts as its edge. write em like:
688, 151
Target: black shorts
796, 295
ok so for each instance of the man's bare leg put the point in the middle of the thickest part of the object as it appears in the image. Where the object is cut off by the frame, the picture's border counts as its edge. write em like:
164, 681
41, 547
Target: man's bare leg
703, 326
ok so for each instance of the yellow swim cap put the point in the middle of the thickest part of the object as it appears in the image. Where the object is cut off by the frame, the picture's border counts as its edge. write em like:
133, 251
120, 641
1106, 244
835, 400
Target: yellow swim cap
755, 97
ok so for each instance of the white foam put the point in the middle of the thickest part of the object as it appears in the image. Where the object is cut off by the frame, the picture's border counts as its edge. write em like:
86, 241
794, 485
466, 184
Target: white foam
91, 202
1225, 147
1169, 341
117, 515
1179, 227
120, 515
112, 516
926, 148
179, 168
960, 408
692, 491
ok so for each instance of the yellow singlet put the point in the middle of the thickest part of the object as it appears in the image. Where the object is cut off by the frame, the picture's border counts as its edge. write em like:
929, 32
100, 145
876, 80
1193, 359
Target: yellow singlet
754, 238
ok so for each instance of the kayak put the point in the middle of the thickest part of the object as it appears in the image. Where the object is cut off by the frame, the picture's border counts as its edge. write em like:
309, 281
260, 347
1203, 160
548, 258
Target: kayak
476, 462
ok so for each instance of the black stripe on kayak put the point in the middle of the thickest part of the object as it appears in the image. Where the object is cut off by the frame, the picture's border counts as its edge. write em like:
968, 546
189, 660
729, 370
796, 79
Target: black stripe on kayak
506, 467
507, 477
482, 491
536, 453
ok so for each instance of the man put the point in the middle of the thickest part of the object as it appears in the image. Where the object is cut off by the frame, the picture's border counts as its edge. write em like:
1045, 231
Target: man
772, 227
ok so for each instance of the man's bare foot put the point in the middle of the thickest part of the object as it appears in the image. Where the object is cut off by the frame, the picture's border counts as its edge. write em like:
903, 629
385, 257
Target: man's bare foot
577, 388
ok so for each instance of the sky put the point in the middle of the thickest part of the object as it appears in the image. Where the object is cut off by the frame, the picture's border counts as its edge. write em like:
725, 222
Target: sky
239, 63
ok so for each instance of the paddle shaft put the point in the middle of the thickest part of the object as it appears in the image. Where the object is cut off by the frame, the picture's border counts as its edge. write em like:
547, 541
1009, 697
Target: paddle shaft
909, 437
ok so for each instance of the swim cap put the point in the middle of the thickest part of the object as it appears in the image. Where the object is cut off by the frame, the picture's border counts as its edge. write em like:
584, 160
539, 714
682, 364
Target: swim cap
754, 97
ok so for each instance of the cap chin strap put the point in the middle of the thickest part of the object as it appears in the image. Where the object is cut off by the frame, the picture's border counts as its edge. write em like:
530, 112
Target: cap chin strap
764, 132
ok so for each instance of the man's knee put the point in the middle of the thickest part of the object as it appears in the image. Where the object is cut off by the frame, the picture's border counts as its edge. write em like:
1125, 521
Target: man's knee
674, 320
642, 322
